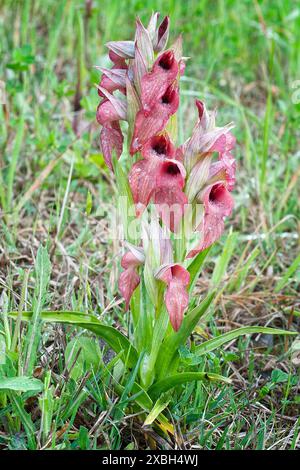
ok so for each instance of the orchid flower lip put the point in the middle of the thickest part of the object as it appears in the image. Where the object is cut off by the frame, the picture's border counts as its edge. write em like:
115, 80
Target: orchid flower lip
166, 60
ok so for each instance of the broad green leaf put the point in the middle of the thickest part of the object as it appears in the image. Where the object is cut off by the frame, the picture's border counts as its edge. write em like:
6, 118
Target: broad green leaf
159, 406
21, 384
170, 346
172, 381
195, 267
142, 397
116, 340
215, 343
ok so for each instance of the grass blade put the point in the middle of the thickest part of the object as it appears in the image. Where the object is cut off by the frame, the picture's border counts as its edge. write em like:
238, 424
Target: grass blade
288, 274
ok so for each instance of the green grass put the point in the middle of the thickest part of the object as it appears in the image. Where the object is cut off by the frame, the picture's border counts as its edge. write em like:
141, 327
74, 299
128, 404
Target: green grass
245, 57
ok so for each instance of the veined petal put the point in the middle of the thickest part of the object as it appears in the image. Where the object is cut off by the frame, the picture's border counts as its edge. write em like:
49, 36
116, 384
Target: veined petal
119, 105
144, 43
162, 35
139, 69
137, 252
117, 60
152, 26
170, 203
112, 79
198, 177
218, 204
206, 137
142, 182
129, 279
124, 49
150, 124
111, 139
128, 282
132, 259
106, 113
159, 146
156, 82
224, 168
177, 48
177, 279
203, 114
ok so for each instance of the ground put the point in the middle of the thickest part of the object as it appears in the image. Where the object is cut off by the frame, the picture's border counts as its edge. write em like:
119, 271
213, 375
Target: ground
54, 190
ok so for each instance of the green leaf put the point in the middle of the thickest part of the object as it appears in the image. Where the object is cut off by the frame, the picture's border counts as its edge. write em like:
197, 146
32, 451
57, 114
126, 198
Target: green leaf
159, 406
172, 381
47, 404
116, 340
42, 275
215, 343
19, 411
169, 348
195, 267
288, 274
21, 384
279, 376
89, 203
2, 349
142, 397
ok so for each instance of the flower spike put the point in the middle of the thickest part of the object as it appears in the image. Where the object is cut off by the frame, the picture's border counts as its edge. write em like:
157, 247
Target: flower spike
186, 184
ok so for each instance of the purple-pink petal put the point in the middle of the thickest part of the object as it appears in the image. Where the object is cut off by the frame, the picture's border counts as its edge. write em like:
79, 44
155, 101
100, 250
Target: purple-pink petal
177, 279
149, 124
218, 204
155, 83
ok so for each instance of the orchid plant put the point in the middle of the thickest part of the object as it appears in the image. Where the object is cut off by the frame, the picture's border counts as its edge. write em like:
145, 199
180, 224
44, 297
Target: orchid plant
177, 198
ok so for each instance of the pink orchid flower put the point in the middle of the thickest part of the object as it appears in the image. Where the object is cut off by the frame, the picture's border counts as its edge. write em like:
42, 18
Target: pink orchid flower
129, 278
218, 204
110, 111
226, 161
155, 83
161, 177
149, 123
177, 279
